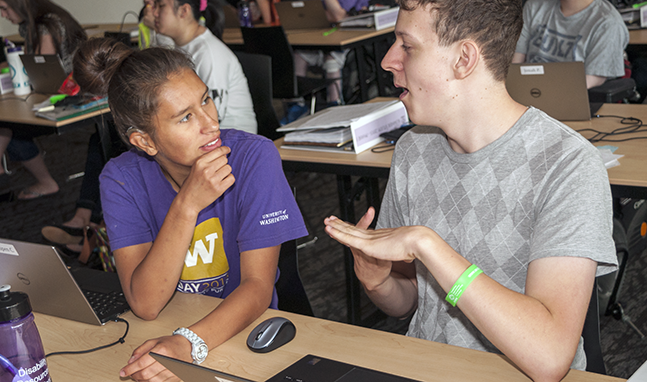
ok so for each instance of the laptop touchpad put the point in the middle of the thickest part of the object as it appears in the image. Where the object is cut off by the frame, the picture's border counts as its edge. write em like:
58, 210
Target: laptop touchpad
365, 375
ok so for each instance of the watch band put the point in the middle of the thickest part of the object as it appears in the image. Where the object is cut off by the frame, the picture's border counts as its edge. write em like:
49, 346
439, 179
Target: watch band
199, 349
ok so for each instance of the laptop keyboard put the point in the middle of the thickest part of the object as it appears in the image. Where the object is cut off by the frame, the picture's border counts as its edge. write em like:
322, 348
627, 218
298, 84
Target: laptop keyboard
106, 305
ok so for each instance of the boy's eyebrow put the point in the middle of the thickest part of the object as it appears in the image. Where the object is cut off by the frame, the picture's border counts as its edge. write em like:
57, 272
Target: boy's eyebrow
206, 90
401, 33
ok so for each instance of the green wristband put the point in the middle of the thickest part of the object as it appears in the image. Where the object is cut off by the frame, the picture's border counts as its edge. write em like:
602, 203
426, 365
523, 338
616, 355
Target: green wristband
462, 283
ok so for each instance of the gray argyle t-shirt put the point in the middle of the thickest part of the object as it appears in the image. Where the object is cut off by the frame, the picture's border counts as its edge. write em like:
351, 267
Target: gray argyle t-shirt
540, 190
596, 36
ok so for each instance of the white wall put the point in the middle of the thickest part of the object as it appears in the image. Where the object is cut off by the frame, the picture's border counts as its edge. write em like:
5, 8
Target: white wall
89, 11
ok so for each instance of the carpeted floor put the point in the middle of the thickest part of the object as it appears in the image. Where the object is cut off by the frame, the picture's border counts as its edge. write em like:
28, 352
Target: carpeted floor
321, 263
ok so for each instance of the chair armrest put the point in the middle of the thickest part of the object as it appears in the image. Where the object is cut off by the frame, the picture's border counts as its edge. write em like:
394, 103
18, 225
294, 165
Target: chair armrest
613, 90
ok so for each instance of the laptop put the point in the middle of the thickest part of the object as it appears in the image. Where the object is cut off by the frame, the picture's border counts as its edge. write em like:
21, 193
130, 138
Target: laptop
308, 14
557, 88
45, 72
310, 368
54, 289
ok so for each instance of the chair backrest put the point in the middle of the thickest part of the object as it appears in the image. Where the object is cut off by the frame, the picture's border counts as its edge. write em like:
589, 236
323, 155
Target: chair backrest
292, 294
591, 335
258, 70
271, 41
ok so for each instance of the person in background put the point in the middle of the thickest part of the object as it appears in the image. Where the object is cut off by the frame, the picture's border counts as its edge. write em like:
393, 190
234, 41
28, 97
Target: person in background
69, 235
482, 234
47, 29
332, 62
215, 63
147, 35
191, 208
590, 31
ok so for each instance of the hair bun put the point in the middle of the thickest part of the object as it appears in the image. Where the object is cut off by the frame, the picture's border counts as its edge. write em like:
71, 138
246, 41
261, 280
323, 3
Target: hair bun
96, 61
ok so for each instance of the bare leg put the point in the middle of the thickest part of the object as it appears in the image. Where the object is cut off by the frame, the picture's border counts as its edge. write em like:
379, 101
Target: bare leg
5, 138
80, 219
45, 184
300, 65
333, 70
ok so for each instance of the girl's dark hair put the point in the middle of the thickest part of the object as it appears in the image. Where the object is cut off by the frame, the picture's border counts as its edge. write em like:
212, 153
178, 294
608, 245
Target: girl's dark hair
214, 15
33, 13
130, 78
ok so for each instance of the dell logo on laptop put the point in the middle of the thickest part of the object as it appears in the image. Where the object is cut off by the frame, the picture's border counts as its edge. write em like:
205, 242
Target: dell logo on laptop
23, 278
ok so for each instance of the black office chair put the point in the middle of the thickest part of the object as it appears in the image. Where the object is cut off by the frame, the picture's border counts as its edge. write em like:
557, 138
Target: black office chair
292, 294
273, 42
630, 218
612, 91
591, 335
258, 70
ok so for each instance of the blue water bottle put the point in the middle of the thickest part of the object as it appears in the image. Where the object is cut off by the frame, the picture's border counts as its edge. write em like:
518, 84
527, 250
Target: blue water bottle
244, 14
22, 357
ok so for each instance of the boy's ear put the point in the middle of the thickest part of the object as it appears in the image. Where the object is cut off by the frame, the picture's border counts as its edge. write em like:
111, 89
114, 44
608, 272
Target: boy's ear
468, 59
142, 141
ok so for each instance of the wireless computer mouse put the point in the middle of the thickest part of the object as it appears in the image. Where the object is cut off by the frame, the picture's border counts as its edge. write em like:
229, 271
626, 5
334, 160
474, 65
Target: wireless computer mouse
271, 334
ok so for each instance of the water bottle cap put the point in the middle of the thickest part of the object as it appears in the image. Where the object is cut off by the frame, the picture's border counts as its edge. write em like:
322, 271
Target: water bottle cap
13, 305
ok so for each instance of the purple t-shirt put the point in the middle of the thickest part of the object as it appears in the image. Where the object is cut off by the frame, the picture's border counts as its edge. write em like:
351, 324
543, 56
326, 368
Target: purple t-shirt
258, 211
350, 4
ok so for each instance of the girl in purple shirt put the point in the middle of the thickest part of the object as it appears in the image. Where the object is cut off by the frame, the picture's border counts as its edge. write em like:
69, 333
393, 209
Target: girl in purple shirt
190, 208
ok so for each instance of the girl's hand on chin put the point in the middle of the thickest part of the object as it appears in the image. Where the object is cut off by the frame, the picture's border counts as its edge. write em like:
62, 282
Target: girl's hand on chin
210, 177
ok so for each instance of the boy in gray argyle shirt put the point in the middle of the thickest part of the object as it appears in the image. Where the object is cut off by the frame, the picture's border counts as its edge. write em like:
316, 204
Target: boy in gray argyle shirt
494, 187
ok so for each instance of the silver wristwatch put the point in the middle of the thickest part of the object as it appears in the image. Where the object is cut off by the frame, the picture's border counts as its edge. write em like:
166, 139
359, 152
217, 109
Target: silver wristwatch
199, 349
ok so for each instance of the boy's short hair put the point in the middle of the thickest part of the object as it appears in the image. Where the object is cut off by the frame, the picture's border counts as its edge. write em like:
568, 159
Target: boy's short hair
495, 25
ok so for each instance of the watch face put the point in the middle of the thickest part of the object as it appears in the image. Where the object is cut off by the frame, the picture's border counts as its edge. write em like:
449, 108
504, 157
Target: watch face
201, 352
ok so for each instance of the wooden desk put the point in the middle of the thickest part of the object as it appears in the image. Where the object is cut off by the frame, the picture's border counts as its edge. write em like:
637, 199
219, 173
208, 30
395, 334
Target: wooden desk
313, 39
387, 352
16, 114
638, 37
630, 178
17, 111
92, 30
627, 180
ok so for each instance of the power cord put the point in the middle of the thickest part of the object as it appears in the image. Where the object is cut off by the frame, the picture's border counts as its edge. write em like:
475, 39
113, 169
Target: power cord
383, 148
633, 125
121, 340
18, 98
123, 19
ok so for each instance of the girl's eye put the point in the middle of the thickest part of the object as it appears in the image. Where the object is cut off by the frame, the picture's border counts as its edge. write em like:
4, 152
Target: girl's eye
206, 101
185, 119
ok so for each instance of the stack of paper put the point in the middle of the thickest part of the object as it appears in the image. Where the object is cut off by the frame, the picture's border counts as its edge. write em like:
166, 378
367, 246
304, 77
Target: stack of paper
333, 137
61, 113
378, 19
335, 127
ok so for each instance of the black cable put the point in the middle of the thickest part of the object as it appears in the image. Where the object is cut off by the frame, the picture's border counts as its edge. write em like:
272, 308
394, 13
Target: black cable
18, 98
383, 148
633, 125
121, 340
123, 19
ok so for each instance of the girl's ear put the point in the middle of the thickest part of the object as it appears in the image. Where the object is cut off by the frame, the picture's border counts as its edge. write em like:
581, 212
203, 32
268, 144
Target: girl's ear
184, 11
143, 141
